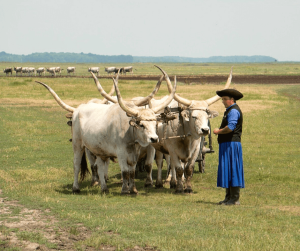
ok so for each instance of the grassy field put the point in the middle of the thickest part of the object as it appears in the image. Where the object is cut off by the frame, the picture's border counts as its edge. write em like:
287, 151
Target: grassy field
36, 169
177, 68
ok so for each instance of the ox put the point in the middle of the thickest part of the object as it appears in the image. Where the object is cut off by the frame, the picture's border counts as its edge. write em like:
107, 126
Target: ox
18, 70
126, 69
30, 71
24, 70
8, 70
40, 70
111, 131
111, 70
70, 70
51, 71
58, 70
181, 139
94, 70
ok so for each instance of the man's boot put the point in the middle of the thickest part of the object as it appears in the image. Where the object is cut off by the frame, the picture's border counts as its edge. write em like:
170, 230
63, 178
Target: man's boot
234, 196
227, 197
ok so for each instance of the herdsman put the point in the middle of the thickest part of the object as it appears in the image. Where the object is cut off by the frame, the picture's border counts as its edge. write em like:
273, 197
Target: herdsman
230, 170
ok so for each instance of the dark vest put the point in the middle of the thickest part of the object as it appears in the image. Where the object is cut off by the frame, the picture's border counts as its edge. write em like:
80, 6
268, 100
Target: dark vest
236, 134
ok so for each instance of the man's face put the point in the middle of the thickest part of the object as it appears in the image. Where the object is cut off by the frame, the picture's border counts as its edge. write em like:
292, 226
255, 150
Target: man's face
227, 101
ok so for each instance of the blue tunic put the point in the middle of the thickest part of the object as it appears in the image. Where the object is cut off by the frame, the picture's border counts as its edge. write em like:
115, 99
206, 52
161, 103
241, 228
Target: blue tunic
230, 169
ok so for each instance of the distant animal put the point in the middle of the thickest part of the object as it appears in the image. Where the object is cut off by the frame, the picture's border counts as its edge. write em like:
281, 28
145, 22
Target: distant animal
126, 69
18, 70
71, 69
94, 70
31, 70
24, 70
111, 70
58, 70
51, 71
7, 71
40, 71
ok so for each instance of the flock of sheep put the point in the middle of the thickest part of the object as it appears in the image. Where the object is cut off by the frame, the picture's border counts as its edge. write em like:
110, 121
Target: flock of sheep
57, 70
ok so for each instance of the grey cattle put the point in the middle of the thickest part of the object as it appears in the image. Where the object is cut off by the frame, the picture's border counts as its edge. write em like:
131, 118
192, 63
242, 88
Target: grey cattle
51, 71
181, 138
124, 70
70, 70
31, 70
111, 70
111, 131
40, 71
8, 70
18, 70
94, 70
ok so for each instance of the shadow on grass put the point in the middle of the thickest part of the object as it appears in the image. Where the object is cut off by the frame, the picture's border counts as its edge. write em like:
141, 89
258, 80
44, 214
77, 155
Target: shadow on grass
115, 182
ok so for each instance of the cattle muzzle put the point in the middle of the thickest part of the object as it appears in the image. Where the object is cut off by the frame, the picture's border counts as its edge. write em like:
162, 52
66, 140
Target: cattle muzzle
154, 140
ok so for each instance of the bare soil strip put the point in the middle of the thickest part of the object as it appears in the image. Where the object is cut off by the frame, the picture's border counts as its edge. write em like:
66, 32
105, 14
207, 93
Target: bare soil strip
44, 225
203, 79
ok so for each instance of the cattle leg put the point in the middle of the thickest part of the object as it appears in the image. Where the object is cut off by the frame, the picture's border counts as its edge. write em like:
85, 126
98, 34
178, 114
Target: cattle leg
148, 165
125, 188
159, 163
106, 170
78, 154
101, 171
189, 169
132, 187
92, 159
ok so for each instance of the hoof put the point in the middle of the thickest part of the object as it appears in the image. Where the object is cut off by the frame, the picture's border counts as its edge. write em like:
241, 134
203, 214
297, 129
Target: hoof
157, 186
134, 191
106, 191
172, 186
94, 183
148, 185
76, 191
179, 191
188, 190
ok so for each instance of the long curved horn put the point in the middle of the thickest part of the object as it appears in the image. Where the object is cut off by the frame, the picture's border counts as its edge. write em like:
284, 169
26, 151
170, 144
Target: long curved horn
168, 100
179, 99
214, 99
129, 110
101, 90
144, 101
58, 100
111, 92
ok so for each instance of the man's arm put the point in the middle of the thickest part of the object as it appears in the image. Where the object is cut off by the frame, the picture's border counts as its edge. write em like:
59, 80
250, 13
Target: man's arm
224, 130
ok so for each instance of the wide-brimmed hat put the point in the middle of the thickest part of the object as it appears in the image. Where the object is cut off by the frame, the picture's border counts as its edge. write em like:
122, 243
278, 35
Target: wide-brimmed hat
230, 93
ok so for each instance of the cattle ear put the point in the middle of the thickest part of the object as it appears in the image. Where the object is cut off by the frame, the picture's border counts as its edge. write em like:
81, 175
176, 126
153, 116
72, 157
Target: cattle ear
213, 114
133, 123
186, 115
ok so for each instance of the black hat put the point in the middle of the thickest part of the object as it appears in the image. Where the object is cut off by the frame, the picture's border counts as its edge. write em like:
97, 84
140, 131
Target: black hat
230, 93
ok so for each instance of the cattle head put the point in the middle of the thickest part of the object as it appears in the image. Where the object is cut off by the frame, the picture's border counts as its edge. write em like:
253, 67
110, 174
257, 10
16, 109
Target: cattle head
196, 112
143, 120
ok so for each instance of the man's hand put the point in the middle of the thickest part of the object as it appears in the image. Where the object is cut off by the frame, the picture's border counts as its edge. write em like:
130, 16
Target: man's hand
216, 131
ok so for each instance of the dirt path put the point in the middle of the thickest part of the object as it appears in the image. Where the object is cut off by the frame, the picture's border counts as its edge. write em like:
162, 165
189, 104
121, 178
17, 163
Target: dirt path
204, 79
24, 229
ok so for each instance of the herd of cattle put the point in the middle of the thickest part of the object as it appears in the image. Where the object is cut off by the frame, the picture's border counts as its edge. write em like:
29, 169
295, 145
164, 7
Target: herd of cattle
110, 129
57, 70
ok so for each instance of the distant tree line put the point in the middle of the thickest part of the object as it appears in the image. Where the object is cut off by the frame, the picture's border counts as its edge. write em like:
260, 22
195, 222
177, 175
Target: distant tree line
62, 57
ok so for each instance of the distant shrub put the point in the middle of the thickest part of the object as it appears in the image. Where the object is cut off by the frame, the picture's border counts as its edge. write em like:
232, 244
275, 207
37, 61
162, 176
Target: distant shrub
17, 83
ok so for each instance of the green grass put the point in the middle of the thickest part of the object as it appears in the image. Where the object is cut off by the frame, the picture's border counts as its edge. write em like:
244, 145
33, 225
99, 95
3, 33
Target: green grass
36, 169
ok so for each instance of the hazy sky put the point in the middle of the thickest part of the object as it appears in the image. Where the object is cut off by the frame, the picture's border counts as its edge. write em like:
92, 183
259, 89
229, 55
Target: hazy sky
187, 28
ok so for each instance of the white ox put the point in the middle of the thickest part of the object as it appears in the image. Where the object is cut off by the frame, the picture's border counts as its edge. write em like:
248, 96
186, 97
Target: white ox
58, 70
94, 70
24, 70
30, 71
51, 71
111, 70
110, 131
40, 70
126, 69
182, 142
18, 70
71, 69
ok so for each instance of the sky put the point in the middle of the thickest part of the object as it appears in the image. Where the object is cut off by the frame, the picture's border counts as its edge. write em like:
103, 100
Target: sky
189, 28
